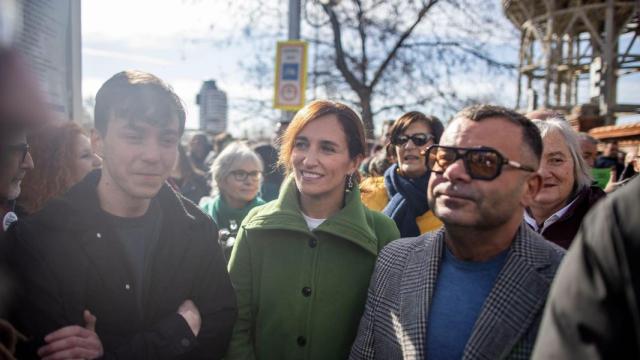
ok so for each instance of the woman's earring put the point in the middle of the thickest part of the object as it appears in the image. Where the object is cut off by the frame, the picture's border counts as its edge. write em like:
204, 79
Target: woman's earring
350, 181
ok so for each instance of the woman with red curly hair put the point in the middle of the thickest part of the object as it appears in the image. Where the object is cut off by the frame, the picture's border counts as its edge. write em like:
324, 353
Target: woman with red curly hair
62, 156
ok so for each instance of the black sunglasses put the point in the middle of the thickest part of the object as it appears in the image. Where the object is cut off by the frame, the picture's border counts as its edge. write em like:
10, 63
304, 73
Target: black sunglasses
23, 147
418, 139
483, 163
241, 175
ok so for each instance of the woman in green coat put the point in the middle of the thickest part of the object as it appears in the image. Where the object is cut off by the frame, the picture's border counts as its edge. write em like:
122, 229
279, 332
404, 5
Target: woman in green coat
301, 263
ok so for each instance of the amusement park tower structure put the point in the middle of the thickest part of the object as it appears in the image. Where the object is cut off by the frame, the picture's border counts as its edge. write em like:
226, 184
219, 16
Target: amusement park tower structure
567, 44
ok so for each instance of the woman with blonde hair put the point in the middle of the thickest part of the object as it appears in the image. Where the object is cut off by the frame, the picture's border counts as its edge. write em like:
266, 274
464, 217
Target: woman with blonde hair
301, 264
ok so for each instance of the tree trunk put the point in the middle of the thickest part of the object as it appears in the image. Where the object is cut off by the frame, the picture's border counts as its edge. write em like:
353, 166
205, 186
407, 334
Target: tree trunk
367, 113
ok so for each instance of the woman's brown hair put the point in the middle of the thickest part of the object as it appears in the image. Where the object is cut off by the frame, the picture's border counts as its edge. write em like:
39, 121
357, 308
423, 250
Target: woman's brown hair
349, 119
404, 121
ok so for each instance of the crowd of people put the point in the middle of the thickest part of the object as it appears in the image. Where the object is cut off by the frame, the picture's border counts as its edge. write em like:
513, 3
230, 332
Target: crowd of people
131, 241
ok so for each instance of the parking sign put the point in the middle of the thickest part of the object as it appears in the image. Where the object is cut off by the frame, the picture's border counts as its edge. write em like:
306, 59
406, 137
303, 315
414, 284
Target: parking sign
291, 75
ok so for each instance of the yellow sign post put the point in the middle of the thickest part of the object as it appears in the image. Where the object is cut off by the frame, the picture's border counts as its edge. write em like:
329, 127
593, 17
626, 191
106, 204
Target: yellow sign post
291, 75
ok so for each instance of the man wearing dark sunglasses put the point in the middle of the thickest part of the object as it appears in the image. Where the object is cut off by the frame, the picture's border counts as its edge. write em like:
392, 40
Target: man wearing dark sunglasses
21, 109
15, 161
475, 288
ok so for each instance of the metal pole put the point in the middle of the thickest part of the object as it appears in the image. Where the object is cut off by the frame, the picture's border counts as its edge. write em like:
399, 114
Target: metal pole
294, 19
75, 75
294, 34
520, 65
609, 64
547, 47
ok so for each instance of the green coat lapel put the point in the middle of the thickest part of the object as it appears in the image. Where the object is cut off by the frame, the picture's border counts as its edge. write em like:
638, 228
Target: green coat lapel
350, 223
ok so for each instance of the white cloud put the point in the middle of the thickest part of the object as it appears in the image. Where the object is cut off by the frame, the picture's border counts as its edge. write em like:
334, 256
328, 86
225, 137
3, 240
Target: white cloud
154, 22
124, 56
176, 40
91, 85
187, 88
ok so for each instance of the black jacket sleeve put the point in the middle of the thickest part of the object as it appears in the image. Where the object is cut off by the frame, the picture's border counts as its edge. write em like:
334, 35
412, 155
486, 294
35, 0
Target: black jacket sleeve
48, 302
39, 307
593, 308
215, 298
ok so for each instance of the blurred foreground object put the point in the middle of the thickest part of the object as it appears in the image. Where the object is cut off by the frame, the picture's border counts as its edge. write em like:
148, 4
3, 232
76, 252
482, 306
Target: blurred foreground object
593, 309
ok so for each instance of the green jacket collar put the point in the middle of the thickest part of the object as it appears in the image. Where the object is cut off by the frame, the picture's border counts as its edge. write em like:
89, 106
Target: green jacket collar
353, 222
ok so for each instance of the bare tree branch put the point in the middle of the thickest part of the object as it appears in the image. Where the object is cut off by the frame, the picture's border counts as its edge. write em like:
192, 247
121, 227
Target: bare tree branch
462, 47
340, 54
388, 56
399, 43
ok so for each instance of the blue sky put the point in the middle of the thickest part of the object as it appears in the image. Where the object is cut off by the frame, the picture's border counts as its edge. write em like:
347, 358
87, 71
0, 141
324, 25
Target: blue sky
177, 42
188, 41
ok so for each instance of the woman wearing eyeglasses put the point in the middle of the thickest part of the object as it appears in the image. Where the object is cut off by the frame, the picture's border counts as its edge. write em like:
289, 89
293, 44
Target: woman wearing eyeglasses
237, 176
402, 193
302, 263
567, 193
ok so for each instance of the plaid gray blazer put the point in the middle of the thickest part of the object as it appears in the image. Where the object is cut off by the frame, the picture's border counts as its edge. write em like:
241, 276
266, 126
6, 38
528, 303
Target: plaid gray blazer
394, 323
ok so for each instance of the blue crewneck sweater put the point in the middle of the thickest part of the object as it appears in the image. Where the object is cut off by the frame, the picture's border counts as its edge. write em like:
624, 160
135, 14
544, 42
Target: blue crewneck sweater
461, 289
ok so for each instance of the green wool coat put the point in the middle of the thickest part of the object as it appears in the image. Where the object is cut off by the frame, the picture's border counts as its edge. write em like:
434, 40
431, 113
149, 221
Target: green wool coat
301, 293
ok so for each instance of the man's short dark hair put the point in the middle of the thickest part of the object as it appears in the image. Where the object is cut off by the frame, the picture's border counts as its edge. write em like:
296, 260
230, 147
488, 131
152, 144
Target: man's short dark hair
136, 95
530, 132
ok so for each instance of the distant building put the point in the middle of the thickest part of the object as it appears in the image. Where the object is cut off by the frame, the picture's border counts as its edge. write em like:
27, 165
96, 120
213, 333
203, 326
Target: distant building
213, 107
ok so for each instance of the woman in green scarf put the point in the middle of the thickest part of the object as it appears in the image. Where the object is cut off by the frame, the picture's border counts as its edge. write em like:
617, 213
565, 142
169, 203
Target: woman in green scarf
237, 176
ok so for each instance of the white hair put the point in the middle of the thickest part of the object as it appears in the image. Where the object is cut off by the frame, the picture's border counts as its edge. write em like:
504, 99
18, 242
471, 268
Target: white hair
581, 171
236, 151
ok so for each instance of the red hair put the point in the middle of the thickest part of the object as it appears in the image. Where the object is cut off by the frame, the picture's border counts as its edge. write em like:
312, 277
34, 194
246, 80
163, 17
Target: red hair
53, 149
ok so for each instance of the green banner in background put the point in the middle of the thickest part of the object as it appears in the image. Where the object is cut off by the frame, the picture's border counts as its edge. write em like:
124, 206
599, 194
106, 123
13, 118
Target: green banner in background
601, 176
